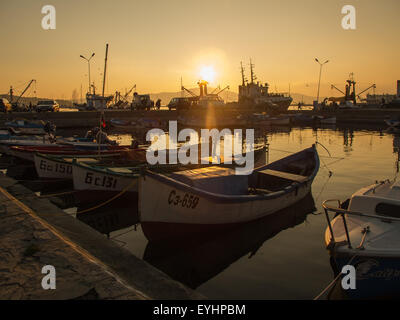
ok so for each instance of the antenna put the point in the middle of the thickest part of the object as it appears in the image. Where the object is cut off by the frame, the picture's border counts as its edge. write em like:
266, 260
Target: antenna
244, 80
252, 75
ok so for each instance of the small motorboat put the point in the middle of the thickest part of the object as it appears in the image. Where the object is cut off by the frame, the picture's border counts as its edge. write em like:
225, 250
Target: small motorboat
365, 234
197, 201
35, 127
327, 120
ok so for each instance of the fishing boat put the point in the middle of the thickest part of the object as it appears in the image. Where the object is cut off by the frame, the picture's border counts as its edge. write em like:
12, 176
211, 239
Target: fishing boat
100, 182
327, 120
96, 183
26, 127
200, 200
59, 166
365, 234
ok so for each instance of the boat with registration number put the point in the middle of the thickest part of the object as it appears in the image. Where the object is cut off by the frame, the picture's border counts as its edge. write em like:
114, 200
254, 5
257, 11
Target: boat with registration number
199, 200
100, 182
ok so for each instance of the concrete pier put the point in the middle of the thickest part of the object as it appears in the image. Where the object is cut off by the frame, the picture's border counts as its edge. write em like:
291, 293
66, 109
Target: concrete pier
91, 118
35, 233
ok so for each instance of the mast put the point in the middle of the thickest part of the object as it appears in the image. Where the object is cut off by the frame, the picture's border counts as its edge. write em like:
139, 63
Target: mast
102, 120
105, 69
242, 71
252, 75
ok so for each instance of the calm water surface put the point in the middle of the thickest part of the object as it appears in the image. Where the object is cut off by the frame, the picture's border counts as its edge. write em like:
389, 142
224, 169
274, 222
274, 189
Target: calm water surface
283, 256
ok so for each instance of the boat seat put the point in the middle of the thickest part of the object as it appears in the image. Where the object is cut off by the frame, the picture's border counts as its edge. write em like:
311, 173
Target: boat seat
120, 170
284, 175
259, 191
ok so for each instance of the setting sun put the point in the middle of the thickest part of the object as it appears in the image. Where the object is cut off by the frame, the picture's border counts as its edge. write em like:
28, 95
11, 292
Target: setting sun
207, 73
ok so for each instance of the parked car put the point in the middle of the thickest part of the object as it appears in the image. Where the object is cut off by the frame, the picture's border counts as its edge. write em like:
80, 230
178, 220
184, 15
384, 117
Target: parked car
47, 105
5, 106
142, 102
179, 103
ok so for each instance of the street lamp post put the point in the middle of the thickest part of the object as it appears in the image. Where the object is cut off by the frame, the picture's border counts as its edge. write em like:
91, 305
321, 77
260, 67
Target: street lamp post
88, 61
320, 71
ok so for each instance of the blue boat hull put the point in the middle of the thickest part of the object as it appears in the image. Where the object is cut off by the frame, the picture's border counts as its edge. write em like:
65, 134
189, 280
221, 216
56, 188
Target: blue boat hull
376, 277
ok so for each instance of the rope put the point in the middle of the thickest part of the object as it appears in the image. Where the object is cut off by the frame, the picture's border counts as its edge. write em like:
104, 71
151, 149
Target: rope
57, 194
333, 281
109, 200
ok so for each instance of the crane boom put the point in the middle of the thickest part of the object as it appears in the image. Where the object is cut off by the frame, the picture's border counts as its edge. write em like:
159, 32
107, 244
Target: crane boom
373, 86
333, 87
190, 92
129, 91
227, 87
27, 87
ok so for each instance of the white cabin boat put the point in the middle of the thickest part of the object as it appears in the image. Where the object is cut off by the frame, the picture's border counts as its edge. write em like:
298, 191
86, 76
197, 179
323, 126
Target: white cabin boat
366, 235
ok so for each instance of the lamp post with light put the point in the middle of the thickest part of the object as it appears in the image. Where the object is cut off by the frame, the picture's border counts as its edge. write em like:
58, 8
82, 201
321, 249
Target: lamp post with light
320, 71
88, 61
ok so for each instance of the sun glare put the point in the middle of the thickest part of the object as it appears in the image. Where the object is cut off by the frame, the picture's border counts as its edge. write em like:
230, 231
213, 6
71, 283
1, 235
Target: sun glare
207, 73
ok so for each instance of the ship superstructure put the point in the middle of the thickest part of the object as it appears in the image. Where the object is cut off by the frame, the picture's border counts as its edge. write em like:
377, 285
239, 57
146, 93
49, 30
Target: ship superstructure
257, 94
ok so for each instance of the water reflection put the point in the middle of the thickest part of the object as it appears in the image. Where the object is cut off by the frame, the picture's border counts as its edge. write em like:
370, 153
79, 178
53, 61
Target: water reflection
199, 260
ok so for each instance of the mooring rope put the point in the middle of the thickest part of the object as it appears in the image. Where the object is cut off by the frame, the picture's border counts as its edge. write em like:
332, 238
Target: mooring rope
333, 281
57, 194
109, 200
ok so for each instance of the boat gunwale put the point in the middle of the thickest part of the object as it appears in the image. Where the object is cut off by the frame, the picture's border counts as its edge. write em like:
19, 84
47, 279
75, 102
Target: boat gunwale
216, 197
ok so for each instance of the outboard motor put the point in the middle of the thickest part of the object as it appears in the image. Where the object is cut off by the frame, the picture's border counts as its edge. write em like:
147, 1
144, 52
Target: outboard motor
101, 138
134, 144
92, 133
50, 129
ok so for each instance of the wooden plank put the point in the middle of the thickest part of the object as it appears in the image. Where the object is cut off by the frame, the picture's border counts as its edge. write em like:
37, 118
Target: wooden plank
284, 175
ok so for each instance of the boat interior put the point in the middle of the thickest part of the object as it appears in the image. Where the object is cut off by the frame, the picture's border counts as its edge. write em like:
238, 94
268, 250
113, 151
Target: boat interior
265, 180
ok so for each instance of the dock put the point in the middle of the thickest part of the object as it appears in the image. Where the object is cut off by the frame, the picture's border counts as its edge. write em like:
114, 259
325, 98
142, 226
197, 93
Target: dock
36, 233
86, 119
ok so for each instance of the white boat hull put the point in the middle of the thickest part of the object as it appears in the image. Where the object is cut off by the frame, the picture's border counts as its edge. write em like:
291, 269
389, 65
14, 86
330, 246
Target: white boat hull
174, 213
52, 169
86, 178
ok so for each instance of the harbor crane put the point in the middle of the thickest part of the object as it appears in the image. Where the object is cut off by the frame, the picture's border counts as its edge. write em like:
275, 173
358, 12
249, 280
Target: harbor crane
226, 88
188, 91
373, 86
23, 92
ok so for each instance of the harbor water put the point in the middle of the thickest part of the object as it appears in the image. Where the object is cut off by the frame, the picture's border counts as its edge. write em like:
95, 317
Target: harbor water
282, 256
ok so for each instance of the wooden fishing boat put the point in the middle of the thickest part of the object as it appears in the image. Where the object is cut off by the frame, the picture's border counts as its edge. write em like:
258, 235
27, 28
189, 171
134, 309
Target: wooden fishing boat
97, 183
28, 152
365, 233
200, 200
60, 167
105, 182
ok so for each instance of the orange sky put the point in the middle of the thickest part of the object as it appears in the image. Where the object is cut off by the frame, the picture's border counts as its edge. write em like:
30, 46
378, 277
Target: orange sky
155, 42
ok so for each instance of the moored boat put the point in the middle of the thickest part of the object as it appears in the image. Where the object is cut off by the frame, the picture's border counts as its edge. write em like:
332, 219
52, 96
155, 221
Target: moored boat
196, 201
60, 167
327, 120
26, 127
365, 234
